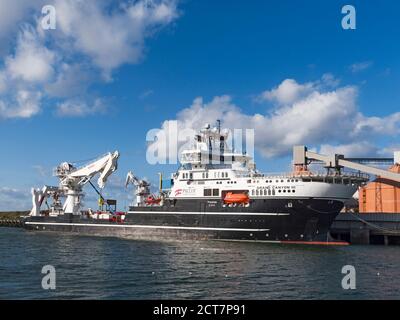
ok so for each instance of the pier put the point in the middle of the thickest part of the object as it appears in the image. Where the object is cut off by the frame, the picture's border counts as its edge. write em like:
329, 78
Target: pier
12, 219
367, 228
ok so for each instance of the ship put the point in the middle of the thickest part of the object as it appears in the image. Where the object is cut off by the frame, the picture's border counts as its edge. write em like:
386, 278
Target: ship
217, 193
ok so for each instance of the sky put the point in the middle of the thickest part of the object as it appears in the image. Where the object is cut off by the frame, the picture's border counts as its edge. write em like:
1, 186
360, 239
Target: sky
112, 70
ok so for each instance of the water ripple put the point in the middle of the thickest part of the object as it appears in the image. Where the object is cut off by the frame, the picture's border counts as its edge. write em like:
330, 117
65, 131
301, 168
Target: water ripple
110, 268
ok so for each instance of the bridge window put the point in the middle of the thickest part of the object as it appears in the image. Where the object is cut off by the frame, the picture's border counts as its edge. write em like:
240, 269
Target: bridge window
207, 192
215, 192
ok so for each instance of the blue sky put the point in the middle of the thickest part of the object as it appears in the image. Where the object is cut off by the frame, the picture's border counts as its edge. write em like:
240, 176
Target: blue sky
208, 49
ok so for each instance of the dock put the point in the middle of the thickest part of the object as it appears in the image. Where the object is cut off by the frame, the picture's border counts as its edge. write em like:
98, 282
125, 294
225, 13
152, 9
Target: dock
12, 219
367, 228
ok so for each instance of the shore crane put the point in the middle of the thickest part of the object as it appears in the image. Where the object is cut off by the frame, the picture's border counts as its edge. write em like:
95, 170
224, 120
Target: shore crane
302, 157
72, 181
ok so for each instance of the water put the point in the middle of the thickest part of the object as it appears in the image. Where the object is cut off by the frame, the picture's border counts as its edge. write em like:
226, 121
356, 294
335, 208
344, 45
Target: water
111, 268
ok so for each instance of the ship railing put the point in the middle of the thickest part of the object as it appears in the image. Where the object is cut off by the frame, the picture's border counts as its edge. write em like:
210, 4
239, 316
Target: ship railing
301, 174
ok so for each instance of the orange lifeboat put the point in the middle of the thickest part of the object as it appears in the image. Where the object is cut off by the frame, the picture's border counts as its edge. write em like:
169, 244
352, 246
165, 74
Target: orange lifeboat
152, 200
238, 198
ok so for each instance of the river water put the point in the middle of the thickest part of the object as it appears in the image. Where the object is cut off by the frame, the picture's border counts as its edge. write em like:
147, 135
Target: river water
112, 268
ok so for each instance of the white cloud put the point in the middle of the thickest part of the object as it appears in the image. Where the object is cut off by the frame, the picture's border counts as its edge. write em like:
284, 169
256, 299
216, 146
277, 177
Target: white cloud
388, 151
305, 114
355, 149
287, 92
92, 38
12, 199
78, 108
32, 62
24, 104
112, 37
146, 94
11, 14
3, 82
71, 80
360, 66
385, 125
329, 80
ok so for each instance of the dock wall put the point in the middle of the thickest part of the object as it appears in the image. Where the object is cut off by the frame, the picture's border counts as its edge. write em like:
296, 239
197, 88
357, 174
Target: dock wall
367, 228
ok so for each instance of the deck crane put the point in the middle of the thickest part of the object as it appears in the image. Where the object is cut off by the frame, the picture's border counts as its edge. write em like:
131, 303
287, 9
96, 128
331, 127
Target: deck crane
142, 187
39, 196
73, 179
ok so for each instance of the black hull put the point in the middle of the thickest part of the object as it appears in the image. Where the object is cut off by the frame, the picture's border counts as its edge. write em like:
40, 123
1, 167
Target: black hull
272, 220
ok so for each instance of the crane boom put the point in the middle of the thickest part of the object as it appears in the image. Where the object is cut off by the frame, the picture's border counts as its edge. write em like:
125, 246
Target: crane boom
73, 179
301, 156
142, 187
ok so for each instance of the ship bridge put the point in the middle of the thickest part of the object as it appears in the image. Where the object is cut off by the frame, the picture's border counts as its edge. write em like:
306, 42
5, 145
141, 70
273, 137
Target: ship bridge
210, 148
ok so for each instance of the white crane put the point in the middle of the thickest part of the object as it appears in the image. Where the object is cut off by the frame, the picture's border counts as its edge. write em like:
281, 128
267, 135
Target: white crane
73, 179
40, 195
142, 187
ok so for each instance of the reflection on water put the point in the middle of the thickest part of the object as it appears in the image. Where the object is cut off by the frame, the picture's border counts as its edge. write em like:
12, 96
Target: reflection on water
110, 268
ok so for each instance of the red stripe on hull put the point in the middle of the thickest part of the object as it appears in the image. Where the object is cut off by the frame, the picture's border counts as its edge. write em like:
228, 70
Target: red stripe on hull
319, 243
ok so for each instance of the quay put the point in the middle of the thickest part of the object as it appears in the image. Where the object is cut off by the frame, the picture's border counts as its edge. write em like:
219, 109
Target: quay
367, 228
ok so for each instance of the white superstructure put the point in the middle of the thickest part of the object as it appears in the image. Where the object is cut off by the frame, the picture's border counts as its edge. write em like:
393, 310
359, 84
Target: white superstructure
210, 169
